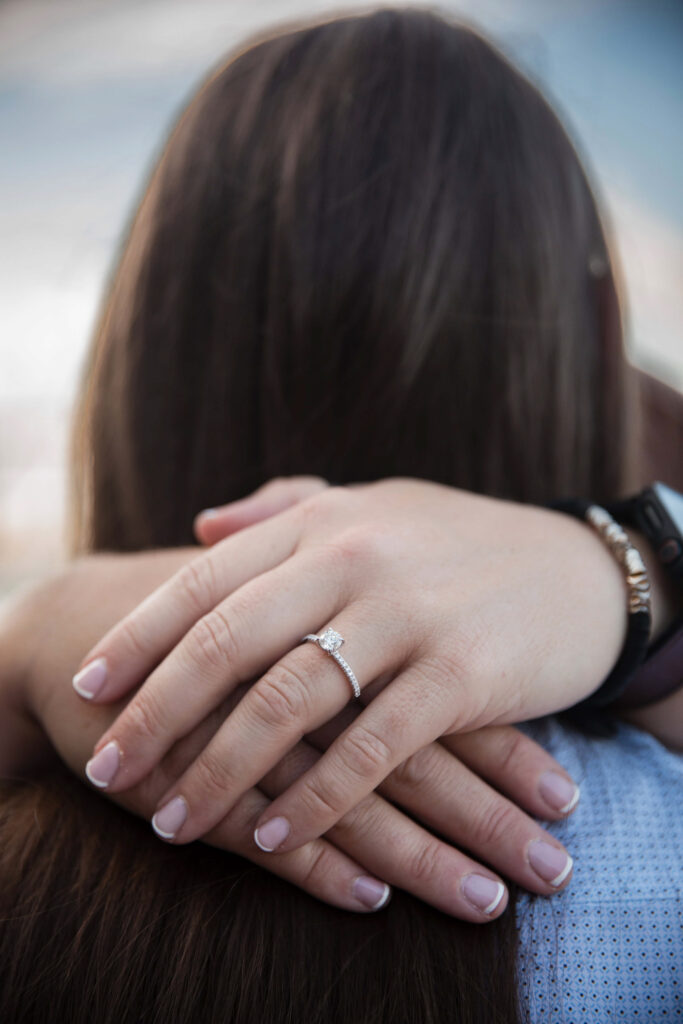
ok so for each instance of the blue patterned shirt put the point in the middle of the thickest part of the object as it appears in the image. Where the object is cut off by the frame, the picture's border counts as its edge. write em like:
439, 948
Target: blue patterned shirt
610, 948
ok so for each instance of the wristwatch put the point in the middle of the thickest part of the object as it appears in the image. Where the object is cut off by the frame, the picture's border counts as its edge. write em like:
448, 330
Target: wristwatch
657, 513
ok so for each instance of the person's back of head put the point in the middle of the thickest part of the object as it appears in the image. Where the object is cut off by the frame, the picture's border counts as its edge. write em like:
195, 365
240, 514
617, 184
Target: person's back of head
102, 922
368, 250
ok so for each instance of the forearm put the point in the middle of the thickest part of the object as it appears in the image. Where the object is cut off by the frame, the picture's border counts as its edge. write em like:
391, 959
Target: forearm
45, 634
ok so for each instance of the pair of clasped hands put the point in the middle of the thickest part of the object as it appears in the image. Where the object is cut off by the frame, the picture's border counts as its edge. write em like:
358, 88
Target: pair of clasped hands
460, 614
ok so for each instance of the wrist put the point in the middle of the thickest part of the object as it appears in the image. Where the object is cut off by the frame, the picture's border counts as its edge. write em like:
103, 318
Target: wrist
630, 600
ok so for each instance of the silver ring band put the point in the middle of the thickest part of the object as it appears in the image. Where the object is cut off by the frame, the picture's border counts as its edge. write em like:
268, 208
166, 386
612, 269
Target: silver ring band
330, 641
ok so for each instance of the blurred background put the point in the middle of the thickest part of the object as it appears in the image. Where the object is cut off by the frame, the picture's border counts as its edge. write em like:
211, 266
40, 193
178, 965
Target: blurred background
88, 89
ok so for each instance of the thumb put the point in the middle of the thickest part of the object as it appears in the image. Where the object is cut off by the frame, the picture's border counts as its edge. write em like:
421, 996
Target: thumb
213, 524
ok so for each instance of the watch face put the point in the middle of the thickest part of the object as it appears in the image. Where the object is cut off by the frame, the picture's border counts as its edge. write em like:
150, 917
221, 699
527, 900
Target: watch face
672, 502
662, 509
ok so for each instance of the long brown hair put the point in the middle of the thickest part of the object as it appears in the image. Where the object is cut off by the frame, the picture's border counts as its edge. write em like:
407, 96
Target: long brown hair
368, 249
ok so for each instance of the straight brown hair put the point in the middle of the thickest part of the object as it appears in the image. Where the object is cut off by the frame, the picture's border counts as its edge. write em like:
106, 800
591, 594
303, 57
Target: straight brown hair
368, 249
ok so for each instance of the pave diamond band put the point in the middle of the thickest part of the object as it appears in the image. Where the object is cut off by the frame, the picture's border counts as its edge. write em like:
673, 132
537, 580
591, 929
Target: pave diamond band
330, 641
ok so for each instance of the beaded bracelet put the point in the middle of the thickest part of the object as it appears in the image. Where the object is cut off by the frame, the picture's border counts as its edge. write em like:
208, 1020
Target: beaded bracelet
635, 647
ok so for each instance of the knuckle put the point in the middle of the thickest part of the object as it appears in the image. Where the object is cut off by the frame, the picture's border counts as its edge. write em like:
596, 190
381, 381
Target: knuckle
211, 774
355, 546
143, 719
197, 583
423, 864
275, 482
282, 698
321, 802
317, 508
365, 753
337, 500
320, 868
416, 771
130, 637
493, 824
362, 822
212, 640
468, 654
513, 748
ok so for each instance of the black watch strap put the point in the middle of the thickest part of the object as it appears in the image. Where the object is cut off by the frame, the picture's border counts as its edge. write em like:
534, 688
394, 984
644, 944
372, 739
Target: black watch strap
657, 513
660, 674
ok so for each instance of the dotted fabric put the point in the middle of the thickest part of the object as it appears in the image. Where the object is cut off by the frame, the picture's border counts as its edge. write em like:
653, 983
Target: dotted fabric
610, 948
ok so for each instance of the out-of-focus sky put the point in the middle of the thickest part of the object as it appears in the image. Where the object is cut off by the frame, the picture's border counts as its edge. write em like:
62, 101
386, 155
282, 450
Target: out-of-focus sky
88, 89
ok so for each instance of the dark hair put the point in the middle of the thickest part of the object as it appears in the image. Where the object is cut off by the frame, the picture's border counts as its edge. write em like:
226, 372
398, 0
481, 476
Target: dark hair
368, 249
100, 923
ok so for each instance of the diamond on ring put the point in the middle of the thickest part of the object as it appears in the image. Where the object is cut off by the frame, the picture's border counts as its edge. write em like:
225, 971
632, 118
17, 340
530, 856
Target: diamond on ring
330, 641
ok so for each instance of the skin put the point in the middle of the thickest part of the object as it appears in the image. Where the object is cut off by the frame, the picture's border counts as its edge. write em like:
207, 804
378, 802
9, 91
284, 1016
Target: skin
433, 603
441, 784
42, 714
426, 581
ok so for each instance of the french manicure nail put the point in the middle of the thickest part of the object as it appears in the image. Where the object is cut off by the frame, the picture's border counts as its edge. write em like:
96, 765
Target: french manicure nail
370, 892
558, 792
90, 680
483, 893
167, 821
550, 863
271, 835
102, 768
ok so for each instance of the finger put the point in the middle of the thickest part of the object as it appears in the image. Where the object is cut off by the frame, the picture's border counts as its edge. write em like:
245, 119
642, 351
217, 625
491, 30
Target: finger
213, 524
297, 694
228, 646
449, 798
319, 868
446, 795
393, 847
518, 767
387, 732
132, 648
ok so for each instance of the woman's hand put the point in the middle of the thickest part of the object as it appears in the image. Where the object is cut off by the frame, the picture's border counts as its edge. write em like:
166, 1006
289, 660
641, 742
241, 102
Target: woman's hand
458, 611
375, 841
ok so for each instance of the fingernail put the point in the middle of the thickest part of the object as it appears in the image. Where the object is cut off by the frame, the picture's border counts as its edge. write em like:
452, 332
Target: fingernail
550, 863
168, 820
271, 835
102, 768
483, 893
370, 892
90, 680
558, 792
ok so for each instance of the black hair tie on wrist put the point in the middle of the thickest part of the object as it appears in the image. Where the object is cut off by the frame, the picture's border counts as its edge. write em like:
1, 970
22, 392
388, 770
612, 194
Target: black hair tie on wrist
589, 712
